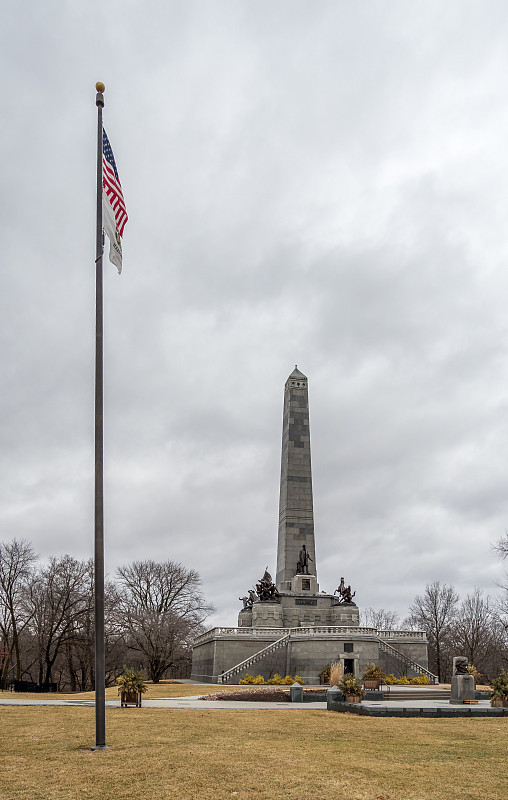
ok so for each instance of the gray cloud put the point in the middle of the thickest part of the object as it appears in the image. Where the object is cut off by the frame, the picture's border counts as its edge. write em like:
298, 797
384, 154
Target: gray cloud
313, 185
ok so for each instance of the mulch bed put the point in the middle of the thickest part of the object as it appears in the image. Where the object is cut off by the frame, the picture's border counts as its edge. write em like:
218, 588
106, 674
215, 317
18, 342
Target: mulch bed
269, 695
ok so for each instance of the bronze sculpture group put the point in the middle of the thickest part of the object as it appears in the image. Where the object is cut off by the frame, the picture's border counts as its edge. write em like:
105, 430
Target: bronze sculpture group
266, 592
344, 592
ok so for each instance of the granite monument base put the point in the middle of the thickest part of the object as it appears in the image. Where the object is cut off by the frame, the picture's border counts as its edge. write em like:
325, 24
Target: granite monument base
463, 688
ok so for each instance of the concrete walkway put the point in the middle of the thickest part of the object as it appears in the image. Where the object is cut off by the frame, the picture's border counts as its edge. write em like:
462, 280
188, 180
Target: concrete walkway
232, 705
173, 702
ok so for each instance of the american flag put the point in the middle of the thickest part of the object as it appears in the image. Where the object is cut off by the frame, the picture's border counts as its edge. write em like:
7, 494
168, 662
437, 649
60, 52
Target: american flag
111, 186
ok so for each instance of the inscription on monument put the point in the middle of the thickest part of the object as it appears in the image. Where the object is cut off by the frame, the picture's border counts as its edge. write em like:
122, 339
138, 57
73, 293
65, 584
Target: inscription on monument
301, 601
306, 584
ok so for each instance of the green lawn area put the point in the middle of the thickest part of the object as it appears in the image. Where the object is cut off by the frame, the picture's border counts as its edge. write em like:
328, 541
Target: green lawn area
180, 754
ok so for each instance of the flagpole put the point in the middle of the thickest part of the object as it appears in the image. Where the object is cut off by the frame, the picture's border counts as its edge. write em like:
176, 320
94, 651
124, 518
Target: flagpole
100, 668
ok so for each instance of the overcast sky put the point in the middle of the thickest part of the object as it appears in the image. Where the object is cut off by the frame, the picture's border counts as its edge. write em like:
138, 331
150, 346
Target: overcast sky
308, 182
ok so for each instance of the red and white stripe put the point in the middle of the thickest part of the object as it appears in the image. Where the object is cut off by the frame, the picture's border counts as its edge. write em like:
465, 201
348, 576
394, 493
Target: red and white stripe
113, 190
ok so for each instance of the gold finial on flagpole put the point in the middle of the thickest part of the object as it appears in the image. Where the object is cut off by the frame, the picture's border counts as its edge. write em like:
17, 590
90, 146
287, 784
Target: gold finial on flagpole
99, 97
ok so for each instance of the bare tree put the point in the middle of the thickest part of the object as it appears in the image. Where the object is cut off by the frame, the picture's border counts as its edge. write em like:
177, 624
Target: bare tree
74, 665
57, 601
435, 612
473, 629
161, 608
76, 659
382, 619
501, 546
16, 563
47, 620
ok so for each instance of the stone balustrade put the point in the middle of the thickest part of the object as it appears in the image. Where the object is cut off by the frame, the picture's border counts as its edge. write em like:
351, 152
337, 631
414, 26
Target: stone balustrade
420, 635
328, 630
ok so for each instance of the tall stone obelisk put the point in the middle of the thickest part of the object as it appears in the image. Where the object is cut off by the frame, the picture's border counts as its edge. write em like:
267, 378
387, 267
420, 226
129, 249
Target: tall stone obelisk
296, 511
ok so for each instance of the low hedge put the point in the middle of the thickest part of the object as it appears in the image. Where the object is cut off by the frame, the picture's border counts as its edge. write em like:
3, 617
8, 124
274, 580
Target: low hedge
419, 680
277, 680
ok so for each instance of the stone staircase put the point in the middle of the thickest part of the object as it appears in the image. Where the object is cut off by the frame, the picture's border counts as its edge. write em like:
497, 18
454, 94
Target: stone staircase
404, 662
249, 662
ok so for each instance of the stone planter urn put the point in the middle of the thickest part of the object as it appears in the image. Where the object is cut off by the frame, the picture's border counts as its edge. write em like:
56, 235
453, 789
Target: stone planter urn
130, 699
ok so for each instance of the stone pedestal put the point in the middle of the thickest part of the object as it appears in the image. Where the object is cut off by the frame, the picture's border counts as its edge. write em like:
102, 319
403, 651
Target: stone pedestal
346, 614
463, 688
296, 693
245, 618
305, 583
267, 615
333, 695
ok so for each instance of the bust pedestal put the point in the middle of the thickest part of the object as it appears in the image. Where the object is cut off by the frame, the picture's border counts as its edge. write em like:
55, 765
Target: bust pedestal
463, 688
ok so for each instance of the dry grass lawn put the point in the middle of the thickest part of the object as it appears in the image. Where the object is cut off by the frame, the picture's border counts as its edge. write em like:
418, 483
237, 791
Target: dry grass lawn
155, 690
159, 754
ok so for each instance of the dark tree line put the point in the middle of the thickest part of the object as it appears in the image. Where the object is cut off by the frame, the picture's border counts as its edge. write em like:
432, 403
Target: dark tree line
472, 627
476, 627
152, 612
